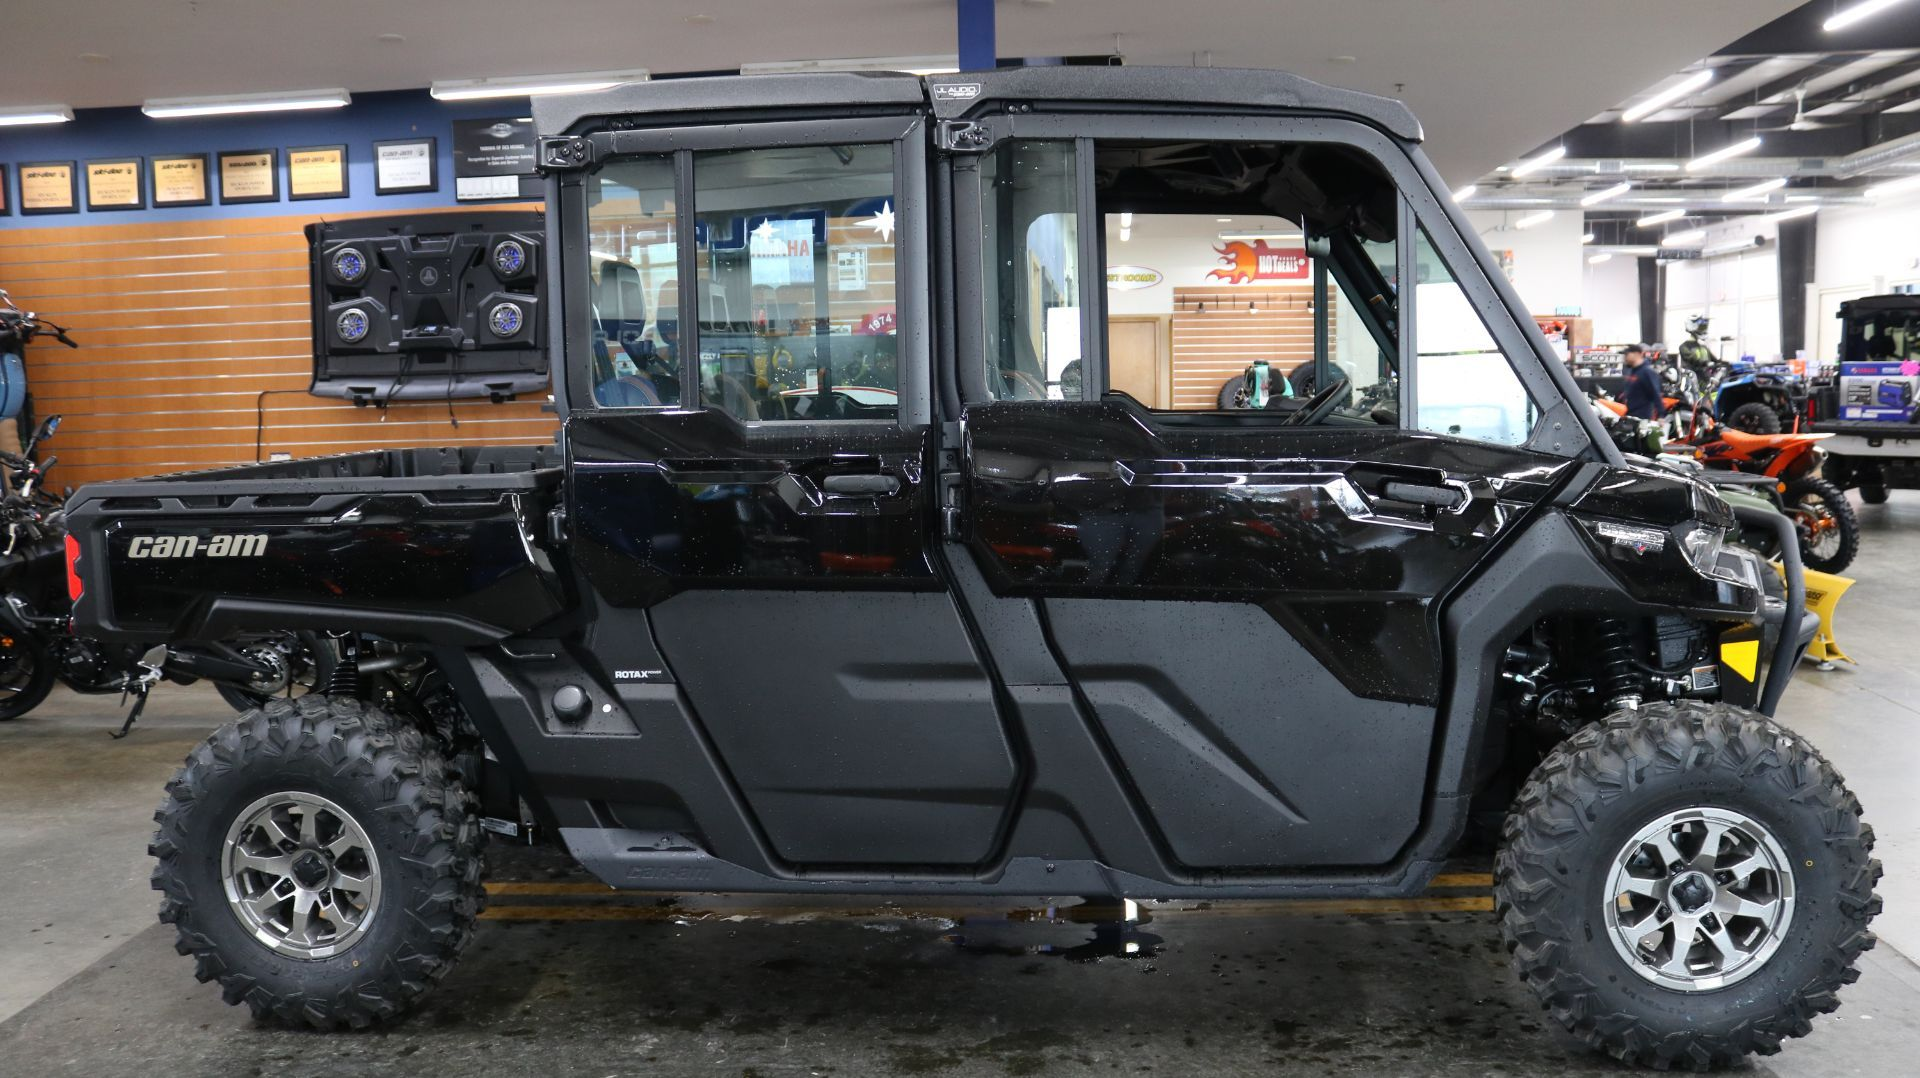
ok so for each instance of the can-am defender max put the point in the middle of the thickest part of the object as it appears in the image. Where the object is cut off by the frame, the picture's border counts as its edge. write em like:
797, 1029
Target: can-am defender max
883, 588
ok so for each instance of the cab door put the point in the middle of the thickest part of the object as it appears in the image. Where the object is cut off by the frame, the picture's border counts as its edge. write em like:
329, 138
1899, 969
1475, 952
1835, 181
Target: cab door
748, 469
1246, 598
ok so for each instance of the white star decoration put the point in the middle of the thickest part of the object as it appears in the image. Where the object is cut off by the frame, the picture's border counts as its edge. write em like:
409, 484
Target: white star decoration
882, 222
765, 231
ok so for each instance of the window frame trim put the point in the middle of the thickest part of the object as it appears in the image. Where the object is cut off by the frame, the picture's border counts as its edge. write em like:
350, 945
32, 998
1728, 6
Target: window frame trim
906, 134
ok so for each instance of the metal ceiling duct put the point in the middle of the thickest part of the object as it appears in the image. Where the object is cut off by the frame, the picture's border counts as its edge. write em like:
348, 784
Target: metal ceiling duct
1898, 155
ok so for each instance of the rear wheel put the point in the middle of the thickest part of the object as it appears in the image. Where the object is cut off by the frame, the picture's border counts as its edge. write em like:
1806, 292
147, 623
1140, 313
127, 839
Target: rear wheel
1685, 884
321, 861
1755, 418
26, 676
1873, 492
1823, 518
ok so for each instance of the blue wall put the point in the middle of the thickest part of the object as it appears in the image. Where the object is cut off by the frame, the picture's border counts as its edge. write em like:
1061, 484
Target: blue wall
101, 133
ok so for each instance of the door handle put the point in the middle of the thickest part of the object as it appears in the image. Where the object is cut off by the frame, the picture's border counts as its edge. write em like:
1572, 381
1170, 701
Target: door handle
868, 485
1451, 499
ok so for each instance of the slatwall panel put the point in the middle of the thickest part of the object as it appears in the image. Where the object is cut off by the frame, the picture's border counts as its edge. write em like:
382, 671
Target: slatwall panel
1214, 345
194, 341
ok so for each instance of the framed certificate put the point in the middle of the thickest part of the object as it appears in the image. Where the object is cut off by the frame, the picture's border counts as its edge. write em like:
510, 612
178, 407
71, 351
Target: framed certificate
317, 172
406, 166
6, 205
49, 187
115, 184
179, 180
249, 176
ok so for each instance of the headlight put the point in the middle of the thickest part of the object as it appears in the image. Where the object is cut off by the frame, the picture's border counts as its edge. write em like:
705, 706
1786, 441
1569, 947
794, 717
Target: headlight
1705, 548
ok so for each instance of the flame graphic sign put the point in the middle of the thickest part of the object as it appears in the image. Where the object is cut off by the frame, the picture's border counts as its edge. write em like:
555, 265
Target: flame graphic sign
1241, 262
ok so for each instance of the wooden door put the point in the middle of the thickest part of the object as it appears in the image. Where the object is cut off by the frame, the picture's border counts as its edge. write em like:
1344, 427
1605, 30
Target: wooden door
1136, 359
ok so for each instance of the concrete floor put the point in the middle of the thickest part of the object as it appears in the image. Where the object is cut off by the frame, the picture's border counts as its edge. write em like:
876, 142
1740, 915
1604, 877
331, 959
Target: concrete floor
566, 978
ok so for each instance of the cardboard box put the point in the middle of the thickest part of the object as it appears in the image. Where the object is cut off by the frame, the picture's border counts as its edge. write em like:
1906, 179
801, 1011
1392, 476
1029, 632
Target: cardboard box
1880, 391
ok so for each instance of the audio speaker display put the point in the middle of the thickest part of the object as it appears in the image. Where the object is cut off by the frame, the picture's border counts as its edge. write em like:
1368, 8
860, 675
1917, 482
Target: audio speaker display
428, 306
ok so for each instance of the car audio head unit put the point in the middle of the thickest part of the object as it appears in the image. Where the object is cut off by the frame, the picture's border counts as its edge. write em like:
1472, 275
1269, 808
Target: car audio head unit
428, 306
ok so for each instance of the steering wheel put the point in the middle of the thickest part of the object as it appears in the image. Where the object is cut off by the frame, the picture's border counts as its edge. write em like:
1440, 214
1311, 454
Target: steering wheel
1323, 402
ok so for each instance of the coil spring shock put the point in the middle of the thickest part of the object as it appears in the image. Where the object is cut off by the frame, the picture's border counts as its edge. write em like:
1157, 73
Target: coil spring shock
344, 680
1618, 678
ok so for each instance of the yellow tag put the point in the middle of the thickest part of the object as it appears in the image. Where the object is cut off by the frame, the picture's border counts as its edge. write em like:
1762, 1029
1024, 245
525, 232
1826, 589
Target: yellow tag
1742, 657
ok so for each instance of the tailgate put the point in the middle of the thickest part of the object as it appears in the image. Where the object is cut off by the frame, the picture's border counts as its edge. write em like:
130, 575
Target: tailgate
443, 559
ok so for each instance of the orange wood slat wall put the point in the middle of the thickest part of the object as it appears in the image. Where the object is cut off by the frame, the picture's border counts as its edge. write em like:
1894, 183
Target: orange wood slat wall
194, 340
1213, 345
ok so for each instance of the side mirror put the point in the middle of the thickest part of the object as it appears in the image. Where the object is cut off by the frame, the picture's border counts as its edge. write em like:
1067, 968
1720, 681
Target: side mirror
47, 427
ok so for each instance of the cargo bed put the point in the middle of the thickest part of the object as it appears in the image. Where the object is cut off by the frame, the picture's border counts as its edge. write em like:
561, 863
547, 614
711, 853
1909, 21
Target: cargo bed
405, 543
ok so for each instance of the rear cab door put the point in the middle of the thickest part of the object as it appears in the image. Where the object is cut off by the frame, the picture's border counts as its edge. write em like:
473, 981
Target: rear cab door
748, 429
1248, 605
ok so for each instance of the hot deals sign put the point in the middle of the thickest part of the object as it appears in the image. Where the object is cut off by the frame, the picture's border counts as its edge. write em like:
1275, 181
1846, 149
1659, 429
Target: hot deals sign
1241, 262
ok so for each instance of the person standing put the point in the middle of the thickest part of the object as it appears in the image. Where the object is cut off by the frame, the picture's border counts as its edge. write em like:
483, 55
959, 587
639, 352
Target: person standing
1641, 394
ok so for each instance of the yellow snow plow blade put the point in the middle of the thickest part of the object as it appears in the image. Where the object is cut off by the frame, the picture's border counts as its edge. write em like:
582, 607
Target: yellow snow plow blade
1823, 594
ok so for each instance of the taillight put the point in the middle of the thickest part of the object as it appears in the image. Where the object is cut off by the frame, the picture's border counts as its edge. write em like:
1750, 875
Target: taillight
74, 587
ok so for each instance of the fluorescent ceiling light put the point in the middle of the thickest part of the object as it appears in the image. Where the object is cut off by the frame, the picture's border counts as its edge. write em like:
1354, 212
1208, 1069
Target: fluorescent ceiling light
1681, 239
1667, 96
1758, 190
580, 82
1596, 259
1788, 215
1126, 233
1527, 167
35, 114
1466, 192
1803, 198
912, 65
165, 108
1864, 9
1629, 250
1724, 152
1660, 218
1650, 166
1254, 237
1532, 219
1904, 106
1587, 238
1598, 197
1894, 187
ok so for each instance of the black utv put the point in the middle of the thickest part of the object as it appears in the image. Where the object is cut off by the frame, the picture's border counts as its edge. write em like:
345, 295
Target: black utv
873, 557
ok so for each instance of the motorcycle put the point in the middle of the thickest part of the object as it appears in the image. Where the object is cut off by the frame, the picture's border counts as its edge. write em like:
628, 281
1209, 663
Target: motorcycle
1749, 397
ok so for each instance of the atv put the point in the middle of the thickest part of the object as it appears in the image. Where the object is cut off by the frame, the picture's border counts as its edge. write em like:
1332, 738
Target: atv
1002, 632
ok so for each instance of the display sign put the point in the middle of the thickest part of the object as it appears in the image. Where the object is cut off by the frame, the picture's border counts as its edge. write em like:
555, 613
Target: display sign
404, 166
1132, 278
494, 159
317, 172
249, 176
115, 185
179, 179
49, 187
1241, 262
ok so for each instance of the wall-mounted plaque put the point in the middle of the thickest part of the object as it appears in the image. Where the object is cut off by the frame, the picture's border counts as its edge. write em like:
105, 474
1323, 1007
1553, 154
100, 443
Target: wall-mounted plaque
179, 179
49, 187
115, 184
317, 172
6, 206
494, 159
249, 176
406, 166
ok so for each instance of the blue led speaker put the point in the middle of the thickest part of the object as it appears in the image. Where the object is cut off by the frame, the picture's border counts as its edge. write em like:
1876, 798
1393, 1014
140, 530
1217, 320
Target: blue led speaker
505, 319
509, 258
352, 325
349, 265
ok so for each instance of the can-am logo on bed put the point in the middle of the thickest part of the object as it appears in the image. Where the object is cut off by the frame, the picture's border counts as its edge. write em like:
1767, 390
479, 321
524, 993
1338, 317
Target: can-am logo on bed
191, 546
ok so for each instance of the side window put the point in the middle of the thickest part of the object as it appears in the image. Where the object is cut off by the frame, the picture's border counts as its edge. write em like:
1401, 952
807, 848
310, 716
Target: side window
1462, 380
1031, 255
634, 299
794, 249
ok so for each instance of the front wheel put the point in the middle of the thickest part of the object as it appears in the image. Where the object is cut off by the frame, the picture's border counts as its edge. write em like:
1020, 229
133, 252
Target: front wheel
321, 860
1823, 518
1755, 418
26, 675
1685, 884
